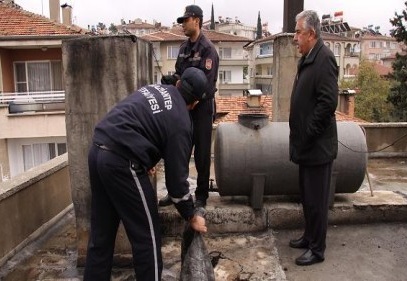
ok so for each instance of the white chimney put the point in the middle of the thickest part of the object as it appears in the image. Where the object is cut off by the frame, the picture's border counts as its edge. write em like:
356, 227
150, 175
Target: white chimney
54, 10
66, 14
254, 97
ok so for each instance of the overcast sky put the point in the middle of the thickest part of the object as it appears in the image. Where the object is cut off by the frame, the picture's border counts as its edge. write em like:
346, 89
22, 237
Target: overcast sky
358, 13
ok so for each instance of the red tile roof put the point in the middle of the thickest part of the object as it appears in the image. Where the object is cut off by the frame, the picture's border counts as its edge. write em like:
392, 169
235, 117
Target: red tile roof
380, 69
383, 70
340, 116
163, 36
176, 34
14, 21
228, 109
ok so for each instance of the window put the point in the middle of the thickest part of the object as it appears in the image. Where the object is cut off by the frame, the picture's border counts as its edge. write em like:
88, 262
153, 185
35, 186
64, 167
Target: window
337, 49
225, 53
269, 70
172, 52
38, 76
38, 153
266, 49
372, 44
155, 78
225, 76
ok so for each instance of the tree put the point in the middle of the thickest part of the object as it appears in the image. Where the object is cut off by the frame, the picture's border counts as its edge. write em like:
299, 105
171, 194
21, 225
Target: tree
113, 29
259, 33
371, 98
212, 26
101, 26
398, 91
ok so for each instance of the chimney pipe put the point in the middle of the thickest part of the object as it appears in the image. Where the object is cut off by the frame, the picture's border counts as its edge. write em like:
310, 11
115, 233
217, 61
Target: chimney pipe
54, 11
66, 14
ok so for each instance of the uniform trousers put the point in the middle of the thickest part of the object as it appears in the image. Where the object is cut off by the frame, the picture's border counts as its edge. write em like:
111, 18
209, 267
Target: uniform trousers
315, 184
202, 118
121, 191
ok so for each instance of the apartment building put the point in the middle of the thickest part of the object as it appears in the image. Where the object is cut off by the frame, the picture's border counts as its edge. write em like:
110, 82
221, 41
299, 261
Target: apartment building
235, 27
233, 58
345, 49
378, 47
32, 116
139, 27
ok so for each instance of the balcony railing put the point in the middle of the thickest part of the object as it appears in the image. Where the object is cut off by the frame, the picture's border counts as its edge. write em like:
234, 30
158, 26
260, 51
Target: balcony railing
32, 97
33, 101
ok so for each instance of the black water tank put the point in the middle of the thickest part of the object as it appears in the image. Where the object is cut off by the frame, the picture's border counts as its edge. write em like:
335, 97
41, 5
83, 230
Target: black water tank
256, 148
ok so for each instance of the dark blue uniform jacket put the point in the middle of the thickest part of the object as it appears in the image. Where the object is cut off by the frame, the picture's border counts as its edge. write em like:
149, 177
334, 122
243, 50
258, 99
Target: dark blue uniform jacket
152, 124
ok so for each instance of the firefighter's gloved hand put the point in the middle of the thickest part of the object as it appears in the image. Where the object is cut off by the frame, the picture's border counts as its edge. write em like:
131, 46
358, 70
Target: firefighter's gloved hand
169, 79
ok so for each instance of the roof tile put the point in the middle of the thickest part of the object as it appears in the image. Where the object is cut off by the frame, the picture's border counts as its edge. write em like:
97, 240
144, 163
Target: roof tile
14, 21
229, 108
176, 34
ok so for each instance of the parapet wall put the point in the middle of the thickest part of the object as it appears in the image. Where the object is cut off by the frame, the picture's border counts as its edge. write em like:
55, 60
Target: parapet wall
386, 139
32, 202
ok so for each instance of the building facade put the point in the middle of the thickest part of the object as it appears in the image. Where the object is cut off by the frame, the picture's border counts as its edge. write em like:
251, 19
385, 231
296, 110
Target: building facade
233, 58
31, 83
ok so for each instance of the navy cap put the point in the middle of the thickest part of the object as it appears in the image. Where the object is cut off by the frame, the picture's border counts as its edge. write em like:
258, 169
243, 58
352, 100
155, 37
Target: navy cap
191, 11
193, 84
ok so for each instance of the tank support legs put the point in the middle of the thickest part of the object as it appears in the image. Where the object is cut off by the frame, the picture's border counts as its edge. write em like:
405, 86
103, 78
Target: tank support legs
257, 192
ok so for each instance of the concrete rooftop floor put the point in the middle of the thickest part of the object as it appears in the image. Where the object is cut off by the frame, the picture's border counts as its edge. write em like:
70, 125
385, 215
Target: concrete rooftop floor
370, 247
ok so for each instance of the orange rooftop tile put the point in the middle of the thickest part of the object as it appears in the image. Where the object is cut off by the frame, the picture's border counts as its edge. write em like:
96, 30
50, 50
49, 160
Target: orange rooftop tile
14, 21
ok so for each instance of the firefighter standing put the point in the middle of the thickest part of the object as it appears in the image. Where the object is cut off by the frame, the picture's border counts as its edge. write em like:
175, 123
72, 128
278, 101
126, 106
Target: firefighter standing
197, 51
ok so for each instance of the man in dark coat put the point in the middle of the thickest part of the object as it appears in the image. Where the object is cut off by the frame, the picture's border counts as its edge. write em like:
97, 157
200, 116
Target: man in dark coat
148, 125
313, 133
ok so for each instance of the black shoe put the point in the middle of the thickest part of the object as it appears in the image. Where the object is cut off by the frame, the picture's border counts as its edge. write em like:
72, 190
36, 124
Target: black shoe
200, 203
300, 243
166, 201
308, 258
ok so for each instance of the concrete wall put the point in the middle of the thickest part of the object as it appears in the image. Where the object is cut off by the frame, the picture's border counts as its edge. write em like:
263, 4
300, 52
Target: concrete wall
386, 139
99, 72
4, 161
286, 59
32, 202
31, 125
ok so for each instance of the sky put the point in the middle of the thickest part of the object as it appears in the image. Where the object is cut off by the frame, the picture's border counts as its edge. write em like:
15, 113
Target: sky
358, 13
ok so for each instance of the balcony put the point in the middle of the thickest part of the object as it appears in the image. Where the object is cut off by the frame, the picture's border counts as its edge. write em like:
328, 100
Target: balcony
44, 101
233, 61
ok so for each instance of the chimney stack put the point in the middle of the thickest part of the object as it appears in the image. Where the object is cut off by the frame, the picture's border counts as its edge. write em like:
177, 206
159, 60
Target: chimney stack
54, 11
66, 14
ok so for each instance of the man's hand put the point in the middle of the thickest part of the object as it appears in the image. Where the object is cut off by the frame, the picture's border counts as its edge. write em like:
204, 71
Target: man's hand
169, 79
151, 172
198, 223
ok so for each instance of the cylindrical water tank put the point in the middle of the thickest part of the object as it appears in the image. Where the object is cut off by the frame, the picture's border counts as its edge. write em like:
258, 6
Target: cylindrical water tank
256, 147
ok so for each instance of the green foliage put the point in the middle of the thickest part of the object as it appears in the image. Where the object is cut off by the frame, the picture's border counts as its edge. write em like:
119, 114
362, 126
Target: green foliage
113, 29
371, 97
101, 26
398, 91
